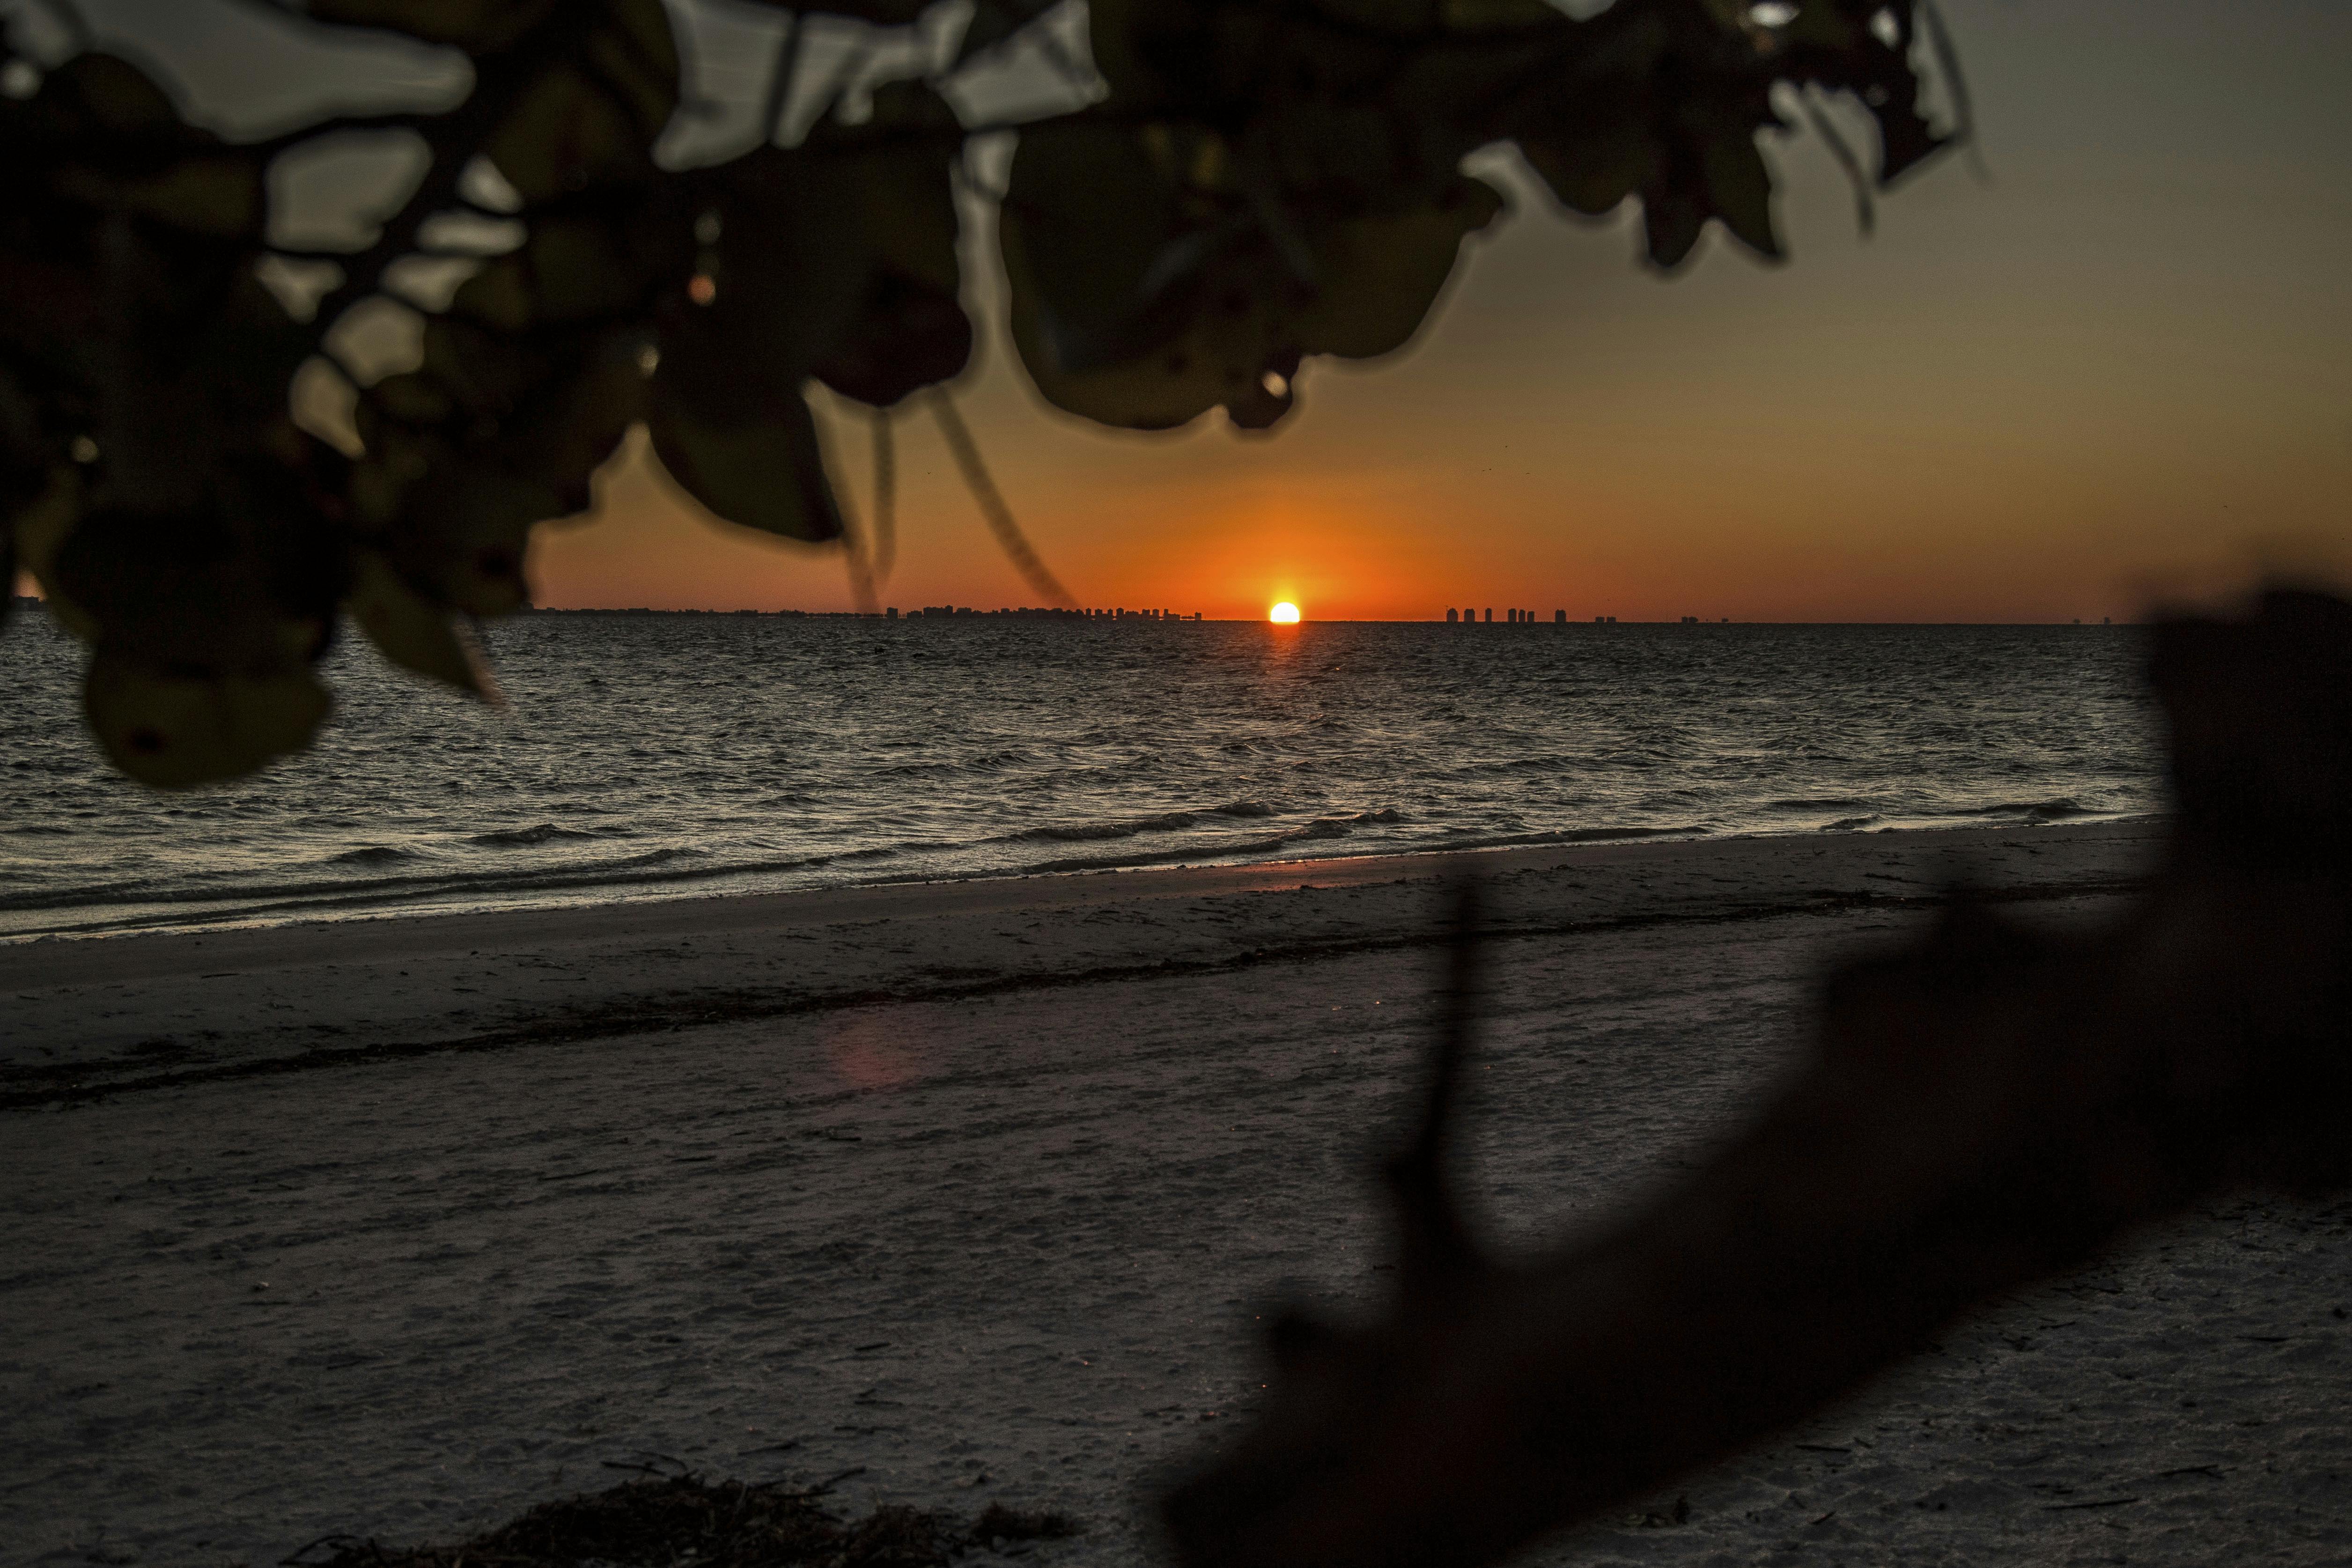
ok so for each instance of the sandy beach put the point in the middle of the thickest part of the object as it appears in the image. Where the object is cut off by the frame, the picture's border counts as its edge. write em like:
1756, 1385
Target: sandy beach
395, 1228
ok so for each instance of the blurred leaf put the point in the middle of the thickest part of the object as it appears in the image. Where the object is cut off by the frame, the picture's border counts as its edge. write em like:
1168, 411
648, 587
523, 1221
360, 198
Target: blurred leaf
909, 331
204, 621
908, 334
766, 472
776, 288
173, 730
834, 259
569, 270
567, 134
247, 579
993, 22
1383, 272
591, 117
1739, 189
117, 100
880, 13
492, 435
1418, 19
477, 27
1592, 172
109, 139
464, 533
409, 629
219, 195
1146, 290
1095, 238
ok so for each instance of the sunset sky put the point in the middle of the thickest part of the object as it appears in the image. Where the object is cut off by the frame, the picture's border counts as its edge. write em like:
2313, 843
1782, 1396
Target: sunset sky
2115, 368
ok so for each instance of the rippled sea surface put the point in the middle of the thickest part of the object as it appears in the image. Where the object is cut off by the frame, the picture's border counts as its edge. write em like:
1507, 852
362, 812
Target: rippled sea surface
670, 755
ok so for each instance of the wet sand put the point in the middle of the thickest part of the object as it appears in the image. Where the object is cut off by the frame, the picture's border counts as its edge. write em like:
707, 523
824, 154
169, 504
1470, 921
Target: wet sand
397, 1228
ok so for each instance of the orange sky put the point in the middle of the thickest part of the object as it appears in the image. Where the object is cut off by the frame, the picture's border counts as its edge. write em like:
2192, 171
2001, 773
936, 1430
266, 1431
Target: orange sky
2119, 364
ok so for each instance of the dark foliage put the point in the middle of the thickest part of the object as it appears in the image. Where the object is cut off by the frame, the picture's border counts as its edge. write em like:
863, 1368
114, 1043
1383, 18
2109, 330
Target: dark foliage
1262, 181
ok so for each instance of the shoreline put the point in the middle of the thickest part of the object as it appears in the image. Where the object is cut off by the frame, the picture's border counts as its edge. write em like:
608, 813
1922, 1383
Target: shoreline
599, 896
155, 1010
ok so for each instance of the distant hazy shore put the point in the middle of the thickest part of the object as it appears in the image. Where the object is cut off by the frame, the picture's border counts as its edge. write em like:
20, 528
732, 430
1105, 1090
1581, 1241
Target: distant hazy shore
397, 1226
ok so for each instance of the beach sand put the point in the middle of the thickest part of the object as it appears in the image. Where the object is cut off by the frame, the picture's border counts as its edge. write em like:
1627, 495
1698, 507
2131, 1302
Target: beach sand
397, 1228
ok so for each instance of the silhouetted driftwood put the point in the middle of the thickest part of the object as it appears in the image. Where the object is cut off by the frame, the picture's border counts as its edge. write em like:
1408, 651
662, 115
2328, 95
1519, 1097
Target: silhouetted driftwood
1982, 1109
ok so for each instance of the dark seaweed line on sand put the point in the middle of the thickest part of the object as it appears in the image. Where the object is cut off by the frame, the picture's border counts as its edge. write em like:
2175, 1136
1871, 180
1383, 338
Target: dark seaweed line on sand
722, 1007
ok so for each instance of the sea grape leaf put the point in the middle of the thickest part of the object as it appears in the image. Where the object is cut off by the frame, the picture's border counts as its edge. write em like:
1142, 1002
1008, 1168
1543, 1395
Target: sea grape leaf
219, 195
173, 730
764, 472
591, 118
1094, 223
109, 139
995, 21
1666, 106
836, 259
1126, 37
1146, 313
490, 437
477, 27
909, 330
246, 579
1383, 272
1836, 45
533, 375
1418, 19
204, 623
1593, 170
569, 133
908, 334
1739, 189
117, 100
569, 269
777, 284
463, 534
407, 628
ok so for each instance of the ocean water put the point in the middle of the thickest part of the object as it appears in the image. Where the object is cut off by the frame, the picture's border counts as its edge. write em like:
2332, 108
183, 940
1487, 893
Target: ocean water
664, 756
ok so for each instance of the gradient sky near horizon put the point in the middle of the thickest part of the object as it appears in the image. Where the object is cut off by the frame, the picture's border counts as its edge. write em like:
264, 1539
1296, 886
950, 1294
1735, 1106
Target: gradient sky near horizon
2115, 369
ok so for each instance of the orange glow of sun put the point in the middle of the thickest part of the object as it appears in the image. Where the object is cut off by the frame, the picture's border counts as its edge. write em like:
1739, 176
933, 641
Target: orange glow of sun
1284, 616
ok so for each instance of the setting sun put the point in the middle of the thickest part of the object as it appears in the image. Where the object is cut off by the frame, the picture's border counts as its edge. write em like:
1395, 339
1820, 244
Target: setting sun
1284, 616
